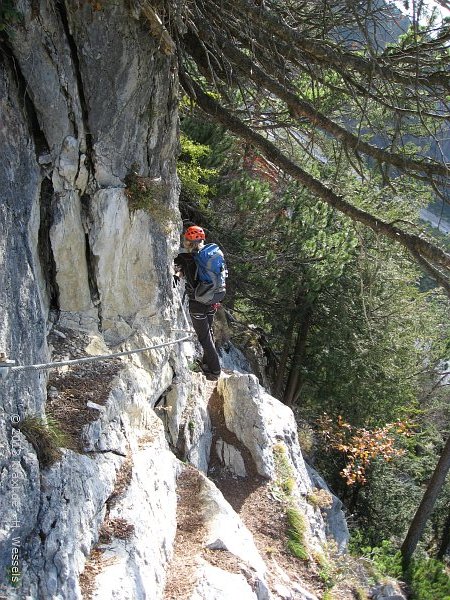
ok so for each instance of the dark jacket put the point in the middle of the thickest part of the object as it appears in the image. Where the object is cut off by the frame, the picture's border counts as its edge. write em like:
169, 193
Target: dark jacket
185, 264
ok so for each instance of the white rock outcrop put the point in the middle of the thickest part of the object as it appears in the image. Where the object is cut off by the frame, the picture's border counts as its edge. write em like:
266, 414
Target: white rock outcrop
69, 250
231, 458
335, 522
225, 530
122, 248
188, 424
260, 422
134, 567
217, 584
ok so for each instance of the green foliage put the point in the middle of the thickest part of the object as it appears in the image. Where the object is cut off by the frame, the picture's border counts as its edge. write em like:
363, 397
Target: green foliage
375, 334
385, 559
427, 578
285, 476
326, 570
283, 487
361, 447
324, 94
296, 547
441, 237
361, 594
387, 504
417, 33
194, 178
370, 345
371, 325
194, 366
9, 15
46, 437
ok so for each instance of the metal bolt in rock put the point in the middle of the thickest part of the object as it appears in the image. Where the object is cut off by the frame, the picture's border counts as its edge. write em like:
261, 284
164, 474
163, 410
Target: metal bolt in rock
5, 365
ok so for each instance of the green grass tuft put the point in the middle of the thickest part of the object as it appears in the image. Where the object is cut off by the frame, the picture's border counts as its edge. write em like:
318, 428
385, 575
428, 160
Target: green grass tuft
46, 437
144, 193
296, 533
297, 549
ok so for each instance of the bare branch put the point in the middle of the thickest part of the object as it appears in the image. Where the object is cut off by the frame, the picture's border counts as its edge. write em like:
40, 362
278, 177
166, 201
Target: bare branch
334, 54
300, 108
416, 245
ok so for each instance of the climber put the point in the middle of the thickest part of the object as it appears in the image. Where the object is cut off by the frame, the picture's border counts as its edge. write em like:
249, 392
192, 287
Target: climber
204, 271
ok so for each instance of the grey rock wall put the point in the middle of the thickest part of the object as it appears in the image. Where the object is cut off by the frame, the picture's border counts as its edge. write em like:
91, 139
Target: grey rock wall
86, 98
24, 315
260, 421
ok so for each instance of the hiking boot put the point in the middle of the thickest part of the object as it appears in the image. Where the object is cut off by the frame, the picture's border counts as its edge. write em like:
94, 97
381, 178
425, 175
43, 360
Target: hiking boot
212, 376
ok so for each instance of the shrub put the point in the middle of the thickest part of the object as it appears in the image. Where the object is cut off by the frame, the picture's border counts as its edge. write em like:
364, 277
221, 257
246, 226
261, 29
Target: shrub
428, 580
386, 559
285, 484
145, 193
426, 577
194, 178
320, 499
285, 480
326, 570
306, 437
360, 594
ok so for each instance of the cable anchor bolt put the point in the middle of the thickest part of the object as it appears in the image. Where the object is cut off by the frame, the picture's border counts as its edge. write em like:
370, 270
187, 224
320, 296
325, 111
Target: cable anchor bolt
5, 365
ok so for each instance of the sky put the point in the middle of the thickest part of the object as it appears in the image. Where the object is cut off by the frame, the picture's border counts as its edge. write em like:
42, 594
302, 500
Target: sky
430, 4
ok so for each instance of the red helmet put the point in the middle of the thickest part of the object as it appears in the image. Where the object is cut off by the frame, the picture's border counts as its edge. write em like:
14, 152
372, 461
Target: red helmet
194, 233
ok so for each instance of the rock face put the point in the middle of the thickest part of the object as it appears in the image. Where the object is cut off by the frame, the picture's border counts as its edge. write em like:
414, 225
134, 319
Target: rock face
335, 524
259, 422
88, 97
85, 97
225, 532
389, 590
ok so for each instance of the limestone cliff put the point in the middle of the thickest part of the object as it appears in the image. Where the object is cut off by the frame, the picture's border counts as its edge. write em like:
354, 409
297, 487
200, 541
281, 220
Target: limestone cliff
88, 101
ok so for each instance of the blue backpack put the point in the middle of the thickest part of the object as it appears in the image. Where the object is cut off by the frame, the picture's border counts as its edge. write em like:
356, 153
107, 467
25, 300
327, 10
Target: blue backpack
211, 274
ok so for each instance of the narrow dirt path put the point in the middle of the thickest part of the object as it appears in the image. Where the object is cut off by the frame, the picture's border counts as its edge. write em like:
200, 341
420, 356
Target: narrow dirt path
188, 544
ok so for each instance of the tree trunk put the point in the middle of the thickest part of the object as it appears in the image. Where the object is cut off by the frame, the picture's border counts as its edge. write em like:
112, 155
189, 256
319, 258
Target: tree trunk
293, 319
426, 506
294, 380
445, 540
285, 354
354, 497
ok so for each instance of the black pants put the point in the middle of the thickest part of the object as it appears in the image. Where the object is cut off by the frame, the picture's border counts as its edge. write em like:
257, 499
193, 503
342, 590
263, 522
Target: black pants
202, 316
